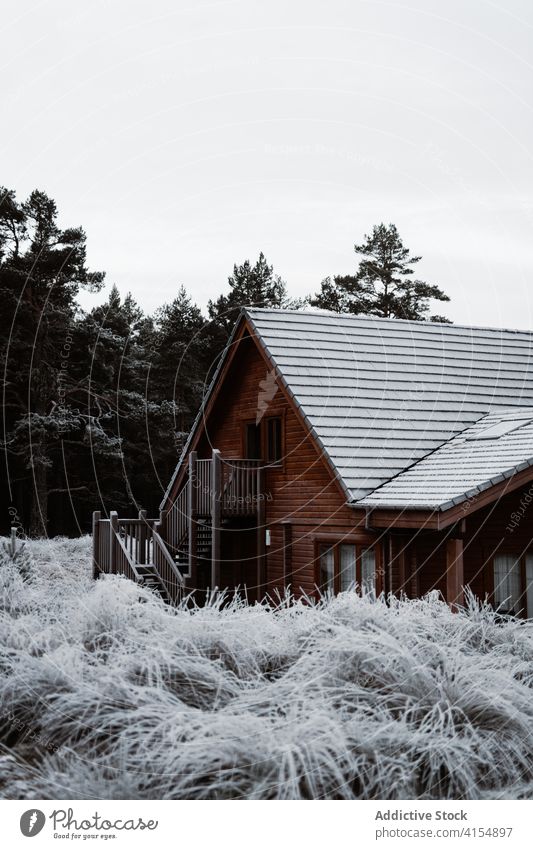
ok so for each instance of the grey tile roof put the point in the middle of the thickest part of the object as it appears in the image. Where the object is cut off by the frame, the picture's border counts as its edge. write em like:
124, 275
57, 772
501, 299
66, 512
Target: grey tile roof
380, 394
463, 467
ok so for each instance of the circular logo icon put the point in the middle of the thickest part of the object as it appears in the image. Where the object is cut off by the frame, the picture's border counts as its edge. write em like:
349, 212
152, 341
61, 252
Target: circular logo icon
32, 822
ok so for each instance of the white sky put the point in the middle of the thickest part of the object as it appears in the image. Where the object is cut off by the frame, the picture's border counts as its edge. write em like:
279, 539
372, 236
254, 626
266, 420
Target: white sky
185, 136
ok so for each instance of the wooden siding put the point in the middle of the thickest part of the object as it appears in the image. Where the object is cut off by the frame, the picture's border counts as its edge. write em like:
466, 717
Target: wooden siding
505, 527
489, 531
301, 490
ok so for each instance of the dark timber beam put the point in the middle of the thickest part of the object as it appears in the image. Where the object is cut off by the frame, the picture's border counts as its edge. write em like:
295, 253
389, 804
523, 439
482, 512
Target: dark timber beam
113, 530
287, 553
96, 543
193, 519
261, 531
397, 563
143, 538
454, 572
216, 516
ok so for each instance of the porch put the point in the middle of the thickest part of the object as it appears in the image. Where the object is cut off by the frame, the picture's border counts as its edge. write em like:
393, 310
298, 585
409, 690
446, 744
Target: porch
181, 550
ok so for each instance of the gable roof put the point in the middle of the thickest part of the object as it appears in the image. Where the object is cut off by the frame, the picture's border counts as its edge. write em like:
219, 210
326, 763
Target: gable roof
380, 394
464, 467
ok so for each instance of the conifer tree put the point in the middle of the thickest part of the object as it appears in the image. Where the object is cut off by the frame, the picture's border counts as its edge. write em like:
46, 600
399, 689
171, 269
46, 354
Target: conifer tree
384, 284
42, 269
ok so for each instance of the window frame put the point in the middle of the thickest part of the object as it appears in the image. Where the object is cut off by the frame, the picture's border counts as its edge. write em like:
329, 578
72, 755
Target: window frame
520, 558
279, 460
263, 439
247, 423
360, 546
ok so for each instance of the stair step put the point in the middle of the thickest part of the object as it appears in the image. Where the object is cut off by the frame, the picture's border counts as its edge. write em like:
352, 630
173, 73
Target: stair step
151, 580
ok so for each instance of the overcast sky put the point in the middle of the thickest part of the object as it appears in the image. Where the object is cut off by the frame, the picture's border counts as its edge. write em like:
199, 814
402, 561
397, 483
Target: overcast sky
185, 136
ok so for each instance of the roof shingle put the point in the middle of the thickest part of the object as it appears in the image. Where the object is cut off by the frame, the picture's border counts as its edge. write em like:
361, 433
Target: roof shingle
461, 468
380, 394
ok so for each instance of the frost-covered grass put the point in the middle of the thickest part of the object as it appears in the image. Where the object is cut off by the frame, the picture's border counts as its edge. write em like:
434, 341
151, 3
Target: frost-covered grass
108, 693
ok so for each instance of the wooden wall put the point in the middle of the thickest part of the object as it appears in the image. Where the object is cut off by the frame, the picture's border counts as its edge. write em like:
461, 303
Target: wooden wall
505, 526
302, 491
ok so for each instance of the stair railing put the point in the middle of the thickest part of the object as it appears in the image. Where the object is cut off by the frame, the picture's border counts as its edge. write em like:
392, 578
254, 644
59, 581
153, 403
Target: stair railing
177, 519
166, 568
122, 562
101, 545
120, 545
203, 484
136, 534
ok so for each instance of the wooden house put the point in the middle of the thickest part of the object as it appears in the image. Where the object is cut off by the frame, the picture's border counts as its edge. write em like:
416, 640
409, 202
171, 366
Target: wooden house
334, 451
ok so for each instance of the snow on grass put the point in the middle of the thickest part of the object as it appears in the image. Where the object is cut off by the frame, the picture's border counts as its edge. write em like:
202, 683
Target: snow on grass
106, 692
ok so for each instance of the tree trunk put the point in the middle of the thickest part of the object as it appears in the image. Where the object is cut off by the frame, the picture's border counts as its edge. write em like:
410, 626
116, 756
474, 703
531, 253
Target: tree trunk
39, 503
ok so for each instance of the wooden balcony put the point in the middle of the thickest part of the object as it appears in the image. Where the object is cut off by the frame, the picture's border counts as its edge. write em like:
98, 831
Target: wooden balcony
166, 553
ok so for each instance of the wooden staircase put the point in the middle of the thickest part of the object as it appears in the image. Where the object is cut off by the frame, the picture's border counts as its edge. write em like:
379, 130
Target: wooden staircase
136, 549
180, 551
204, 545
150, 578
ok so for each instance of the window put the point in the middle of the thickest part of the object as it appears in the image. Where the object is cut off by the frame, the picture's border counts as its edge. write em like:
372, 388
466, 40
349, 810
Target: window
507, 583
343, 566
263, 441
513, 584
368, 570
327, 568
273, 441
347, 563
500, 428
253, 441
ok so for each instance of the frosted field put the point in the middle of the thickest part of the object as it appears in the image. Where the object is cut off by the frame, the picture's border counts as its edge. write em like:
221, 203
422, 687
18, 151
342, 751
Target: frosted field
107, 693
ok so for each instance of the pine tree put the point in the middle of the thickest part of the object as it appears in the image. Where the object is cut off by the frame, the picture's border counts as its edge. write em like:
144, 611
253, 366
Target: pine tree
384, 284
250, 285
42, 268
179, 364
115, 400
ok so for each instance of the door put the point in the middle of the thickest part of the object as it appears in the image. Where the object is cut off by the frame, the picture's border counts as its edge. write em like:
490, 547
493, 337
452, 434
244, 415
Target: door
238, 568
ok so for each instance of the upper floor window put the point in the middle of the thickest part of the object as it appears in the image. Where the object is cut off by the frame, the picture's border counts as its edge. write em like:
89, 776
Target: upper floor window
263, 441
253, 441
273, 439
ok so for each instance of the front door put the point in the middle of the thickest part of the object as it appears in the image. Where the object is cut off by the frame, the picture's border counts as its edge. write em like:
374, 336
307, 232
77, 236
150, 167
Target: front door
238, 568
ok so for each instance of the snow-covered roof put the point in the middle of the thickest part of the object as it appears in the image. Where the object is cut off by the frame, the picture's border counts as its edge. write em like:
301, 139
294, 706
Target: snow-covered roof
493, 450
380, 394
